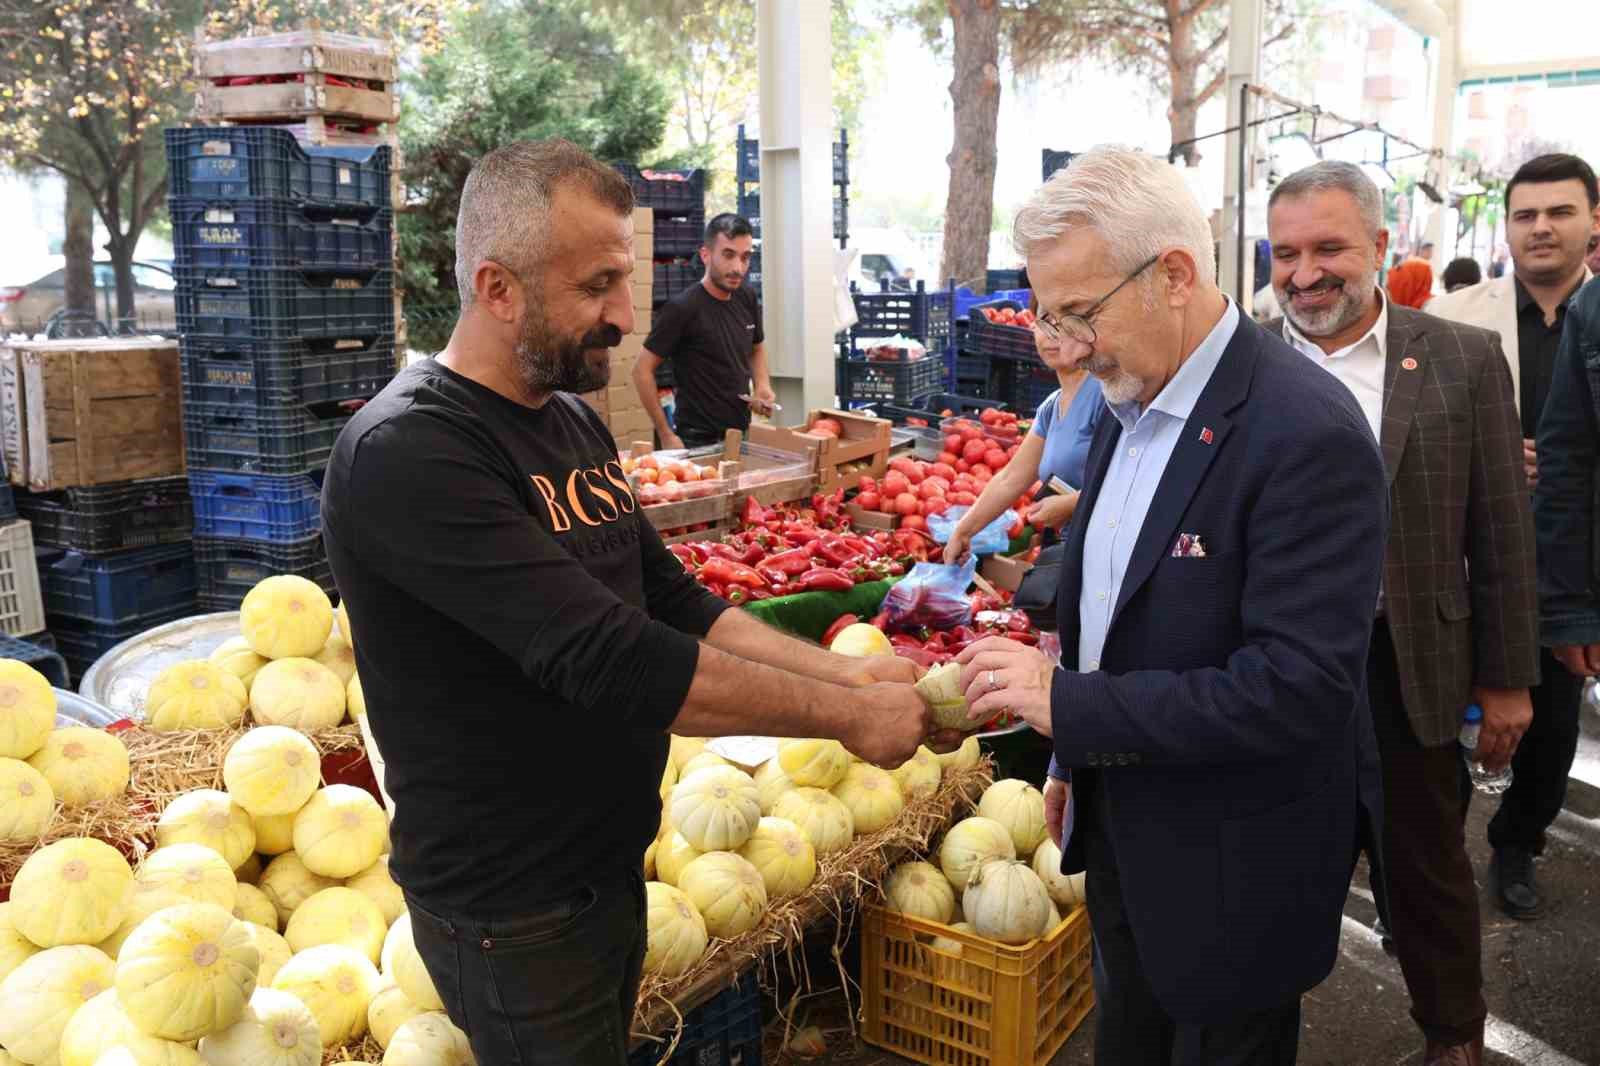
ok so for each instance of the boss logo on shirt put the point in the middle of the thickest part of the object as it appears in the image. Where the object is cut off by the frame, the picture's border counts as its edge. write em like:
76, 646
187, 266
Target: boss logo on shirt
592, 497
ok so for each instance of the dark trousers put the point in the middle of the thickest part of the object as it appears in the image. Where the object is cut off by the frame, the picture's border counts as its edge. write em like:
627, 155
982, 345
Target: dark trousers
1543, 762
556, 985
1423, 881
1131, 1028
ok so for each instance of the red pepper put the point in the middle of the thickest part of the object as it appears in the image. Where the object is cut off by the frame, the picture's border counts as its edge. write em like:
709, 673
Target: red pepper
836, 552
685, 556
753, 555
1030, 639
780, 589
839, 624
823, 580
700, 550
754, 514
918, 656
737, 594
757, 595
715, 589
773, 575
880, 621
724, 551
895, 568
906, 640
728, 572
859, 545
795, 561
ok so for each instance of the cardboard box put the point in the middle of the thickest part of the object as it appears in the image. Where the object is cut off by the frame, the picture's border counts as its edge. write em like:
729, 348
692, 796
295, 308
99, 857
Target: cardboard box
644, 220
642, 293
622, 397
642, 319
1005, 571
644, 248
861, 518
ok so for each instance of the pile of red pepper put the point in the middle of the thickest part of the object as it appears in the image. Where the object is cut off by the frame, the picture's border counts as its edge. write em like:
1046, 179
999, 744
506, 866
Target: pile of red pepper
792, 548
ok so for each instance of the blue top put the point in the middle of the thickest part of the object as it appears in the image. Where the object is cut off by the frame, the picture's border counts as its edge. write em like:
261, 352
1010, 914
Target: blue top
1066, 440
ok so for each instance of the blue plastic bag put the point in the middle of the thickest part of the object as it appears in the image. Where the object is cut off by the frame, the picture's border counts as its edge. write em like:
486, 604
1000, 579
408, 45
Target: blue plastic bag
932, 595
992, 538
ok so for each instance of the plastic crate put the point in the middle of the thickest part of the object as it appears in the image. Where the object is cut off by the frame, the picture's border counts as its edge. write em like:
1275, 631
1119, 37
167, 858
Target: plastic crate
748, 165
258, 441
8, 502
43, 659
282, 234
215, 304
999, 341
254, 162
229, 569
668, 192
109, 518
965, 299
680, 235
286, 373
987, 1004
672, 276
972, 368
21, 599
1054, 160
995, 280
724, 1031
749, 204
922, 313
278, 510
1022, 384
82, 643
110, 589
901, 382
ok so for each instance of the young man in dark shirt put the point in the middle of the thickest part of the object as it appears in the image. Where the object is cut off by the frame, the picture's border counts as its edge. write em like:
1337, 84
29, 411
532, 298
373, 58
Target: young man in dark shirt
526, 642
711, 333
1552, 208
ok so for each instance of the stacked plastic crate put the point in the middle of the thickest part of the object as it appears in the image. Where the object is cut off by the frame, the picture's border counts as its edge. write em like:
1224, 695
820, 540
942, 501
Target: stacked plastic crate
677, 201
285, 306
747, 155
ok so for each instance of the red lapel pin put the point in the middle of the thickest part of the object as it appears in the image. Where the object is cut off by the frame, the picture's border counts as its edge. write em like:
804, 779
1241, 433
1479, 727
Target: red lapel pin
1205, 434
1408, 363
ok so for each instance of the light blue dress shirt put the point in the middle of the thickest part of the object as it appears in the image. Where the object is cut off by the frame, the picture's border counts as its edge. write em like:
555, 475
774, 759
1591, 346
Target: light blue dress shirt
1141, 455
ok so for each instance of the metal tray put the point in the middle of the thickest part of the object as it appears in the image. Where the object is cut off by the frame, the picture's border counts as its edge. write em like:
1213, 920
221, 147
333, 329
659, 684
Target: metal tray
120, 678
73, 709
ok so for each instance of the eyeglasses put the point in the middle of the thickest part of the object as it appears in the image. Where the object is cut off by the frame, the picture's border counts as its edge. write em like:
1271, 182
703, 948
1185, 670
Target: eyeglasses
1080, 328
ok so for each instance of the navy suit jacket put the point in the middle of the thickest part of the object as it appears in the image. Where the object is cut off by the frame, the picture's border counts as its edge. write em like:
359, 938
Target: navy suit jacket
1222, 729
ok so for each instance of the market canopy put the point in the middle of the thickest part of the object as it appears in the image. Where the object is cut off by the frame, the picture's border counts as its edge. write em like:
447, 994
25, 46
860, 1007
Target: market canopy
1535, 39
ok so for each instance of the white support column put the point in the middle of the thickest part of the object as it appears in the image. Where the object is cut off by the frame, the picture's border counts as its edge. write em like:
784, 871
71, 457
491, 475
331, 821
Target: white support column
1446, 82
1244, 66
795, 51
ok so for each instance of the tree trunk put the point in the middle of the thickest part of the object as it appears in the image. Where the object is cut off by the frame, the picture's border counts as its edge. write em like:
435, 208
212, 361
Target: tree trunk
975, 90
1183, 72
78, 249
121, 249
1182, 119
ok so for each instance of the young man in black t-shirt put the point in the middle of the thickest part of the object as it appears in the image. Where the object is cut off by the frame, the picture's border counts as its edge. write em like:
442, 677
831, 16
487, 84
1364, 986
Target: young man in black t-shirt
711, 333
525, 640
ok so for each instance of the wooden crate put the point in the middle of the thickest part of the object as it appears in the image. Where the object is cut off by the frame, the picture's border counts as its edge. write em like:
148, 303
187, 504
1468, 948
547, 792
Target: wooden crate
301, 51
714, 509
100, 411
865, 440
313, 95
767, 474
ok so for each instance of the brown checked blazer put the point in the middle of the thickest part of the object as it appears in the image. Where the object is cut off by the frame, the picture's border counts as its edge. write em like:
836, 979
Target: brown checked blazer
1460, 590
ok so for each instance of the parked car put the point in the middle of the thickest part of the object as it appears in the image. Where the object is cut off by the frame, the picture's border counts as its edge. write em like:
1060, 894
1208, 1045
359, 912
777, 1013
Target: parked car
37, 307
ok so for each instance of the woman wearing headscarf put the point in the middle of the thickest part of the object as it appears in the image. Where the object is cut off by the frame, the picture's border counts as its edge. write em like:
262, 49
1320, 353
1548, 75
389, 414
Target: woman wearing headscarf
1411, 283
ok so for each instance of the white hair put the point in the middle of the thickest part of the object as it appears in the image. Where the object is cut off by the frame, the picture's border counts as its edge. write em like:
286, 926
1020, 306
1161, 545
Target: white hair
1139, 205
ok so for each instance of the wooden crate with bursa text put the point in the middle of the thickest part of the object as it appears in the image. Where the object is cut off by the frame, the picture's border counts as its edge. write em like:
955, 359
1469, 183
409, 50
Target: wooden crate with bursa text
861, 447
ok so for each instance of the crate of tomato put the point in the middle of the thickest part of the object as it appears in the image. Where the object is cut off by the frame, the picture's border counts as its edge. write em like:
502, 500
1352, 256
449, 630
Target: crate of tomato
914, 489
1001, 331
681, 498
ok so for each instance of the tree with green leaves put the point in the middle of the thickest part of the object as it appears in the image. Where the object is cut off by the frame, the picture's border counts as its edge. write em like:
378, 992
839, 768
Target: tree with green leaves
514, 70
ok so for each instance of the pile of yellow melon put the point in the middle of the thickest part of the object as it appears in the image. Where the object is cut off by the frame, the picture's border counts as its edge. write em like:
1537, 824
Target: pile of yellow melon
732, 843
998, 867
254, 932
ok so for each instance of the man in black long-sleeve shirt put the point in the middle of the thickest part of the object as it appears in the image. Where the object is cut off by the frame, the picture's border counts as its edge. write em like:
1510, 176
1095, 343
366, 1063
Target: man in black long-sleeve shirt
525, 640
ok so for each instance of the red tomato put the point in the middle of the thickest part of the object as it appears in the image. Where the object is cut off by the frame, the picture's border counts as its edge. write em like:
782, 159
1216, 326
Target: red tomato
942, 469
942, 482
962, 499
962, 466
952, 443
916, 475
948, 461
989, 415
974, 450
1007, 315
886, 505
894, 483
995, 458
930, 489
946, 413
869, 500
827, 427
982, 472
905, 503
969, 435
913, 521
963, 483
867, 484
935, 506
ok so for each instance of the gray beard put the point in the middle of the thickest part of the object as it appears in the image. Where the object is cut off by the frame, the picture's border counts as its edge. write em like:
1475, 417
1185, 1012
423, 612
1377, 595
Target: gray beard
1345, 310
551, 363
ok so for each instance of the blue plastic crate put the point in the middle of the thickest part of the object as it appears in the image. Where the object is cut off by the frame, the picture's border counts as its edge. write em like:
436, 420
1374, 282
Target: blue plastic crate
261, 507
964, 299
258, 440
724, 1031
43, 659
82, 643
244, 304
281, 233
229, 569
970, 367
999, 341
109, 589
252, 162
1023, 385
286, 373
679, 235
922, 313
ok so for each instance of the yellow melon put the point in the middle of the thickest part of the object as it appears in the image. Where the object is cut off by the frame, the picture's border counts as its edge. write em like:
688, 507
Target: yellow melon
407, 968
821, 816
286, 617
727, 891
39, 998
252, 905
197, 694
273, 949
872, 796
339, 656
375, 883
340, 831
676, 933
355, 698
389, 1010
27, 802
101, 1024
813, 763
237, 657
429, 1039
783, 855
15, 949
275, 832
338, 916
187, 971
73, 891
297, 692
272, 770
83, 765
288, 884
276, 1029
211, 818
192, 871
27, 709
336, 984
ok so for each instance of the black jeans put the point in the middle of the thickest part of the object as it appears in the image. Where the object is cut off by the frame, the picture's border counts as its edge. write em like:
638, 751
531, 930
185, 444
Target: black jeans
1543, 761
556, 985
1131, 1028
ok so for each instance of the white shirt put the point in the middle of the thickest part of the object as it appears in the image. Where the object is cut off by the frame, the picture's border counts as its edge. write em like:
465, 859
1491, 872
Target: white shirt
1358, 366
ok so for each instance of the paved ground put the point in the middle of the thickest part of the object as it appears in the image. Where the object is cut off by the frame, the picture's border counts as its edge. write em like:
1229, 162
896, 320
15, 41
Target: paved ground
1543, 978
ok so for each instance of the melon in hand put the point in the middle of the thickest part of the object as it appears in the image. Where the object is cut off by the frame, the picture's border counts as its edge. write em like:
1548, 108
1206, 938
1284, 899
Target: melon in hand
941, 688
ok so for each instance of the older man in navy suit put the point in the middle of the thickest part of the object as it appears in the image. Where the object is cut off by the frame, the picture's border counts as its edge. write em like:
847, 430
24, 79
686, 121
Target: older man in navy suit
1216, 603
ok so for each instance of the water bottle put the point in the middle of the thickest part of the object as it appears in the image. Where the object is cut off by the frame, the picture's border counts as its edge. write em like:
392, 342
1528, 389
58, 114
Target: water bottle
1485, 781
